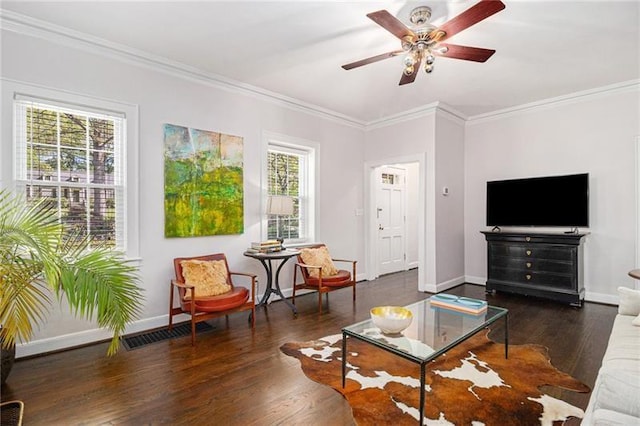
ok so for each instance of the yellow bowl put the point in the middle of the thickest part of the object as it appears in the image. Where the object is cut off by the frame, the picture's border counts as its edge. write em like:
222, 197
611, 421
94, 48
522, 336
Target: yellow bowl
391, 319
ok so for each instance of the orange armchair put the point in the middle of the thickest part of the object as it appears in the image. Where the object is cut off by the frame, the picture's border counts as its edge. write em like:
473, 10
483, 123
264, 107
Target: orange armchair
208, 290
319, 274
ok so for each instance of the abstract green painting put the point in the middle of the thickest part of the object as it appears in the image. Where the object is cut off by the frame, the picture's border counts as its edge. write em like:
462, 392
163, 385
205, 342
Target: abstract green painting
203, 183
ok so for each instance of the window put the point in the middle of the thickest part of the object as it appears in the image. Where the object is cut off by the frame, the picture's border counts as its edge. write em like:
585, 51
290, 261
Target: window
74, 158
290, 173
390, 179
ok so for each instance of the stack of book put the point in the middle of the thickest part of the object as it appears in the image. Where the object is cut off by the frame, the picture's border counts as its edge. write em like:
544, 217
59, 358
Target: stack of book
269, 246
458, 303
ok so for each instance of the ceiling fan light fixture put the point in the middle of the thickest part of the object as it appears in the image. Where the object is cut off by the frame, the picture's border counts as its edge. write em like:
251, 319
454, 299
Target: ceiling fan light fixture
408, 70
428, 68
409, 60
430, 59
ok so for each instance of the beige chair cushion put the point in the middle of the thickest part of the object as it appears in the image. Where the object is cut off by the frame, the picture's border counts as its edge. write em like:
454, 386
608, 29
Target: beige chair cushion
318, 257
209, 277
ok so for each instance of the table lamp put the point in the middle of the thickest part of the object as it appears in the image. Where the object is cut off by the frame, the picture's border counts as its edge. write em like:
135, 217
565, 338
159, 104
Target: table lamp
279, 205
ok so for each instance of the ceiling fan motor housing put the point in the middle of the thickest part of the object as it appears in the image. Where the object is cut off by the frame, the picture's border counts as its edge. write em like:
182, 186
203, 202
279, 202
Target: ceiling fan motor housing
420, 15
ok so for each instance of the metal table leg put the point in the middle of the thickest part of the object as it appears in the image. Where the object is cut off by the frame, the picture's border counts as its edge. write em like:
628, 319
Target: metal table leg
422, 384
506, 336
344, 359
269, 289
271, 280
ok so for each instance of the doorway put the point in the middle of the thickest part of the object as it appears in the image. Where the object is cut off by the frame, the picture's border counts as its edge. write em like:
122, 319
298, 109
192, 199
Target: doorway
395, 236
420, 211
390, 214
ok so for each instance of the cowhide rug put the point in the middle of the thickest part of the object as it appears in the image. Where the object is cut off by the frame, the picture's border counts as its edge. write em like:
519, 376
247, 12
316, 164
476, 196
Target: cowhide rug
472, 384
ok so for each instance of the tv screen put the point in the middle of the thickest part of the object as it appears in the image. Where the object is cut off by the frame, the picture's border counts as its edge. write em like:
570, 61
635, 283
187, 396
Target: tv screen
543, 201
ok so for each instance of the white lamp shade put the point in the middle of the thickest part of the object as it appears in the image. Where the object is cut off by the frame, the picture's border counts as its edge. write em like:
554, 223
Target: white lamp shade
280, 205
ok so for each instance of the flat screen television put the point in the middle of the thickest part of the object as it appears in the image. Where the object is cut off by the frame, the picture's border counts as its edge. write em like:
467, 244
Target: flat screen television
553, 201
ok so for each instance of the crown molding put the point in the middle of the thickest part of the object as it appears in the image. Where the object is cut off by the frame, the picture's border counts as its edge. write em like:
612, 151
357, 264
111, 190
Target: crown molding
451, 114
432, 108
625, 86
26, 25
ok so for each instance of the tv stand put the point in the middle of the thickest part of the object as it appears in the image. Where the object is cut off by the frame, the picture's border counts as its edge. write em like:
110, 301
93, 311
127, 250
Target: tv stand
546, 265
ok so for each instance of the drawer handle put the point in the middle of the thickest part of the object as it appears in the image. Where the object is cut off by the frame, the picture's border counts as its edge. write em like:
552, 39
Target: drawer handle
528, 252
528, 276
527, 239
528, 264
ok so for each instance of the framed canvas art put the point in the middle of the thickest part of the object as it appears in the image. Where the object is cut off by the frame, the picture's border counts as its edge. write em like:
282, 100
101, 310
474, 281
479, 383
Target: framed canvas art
203, 183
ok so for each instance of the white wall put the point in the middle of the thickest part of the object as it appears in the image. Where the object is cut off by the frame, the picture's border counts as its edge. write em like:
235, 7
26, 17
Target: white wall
450, 208
594, 134
166, 98
413, 176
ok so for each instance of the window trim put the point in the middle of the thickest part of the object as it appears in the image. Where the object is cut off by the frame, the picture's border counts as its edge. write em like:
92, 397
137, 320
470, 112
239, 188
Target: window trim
14, 90
295, 145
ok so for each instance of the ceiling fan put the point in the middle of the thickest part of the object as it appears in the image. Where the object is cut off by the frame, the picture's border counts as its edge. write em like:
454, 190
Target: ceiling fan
425, 41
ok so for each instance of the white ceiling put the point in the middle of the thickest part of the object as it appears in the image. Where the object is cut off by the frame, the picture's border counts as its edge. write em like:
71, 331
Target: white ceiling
545, 49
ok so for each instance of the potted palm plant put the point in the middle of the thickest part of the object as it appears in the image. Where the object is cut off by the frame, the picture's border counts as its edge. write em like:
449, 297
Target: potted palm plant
39, 263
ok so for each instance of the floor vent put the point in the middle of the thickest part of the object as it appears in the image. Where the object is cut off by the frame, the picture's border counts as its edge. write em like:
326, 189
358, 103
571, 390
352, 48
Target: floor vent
180, 330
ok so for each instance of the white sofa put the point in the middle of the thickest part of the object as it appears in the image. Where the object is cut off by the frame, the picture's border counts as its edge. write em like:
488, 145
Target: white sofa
615, 399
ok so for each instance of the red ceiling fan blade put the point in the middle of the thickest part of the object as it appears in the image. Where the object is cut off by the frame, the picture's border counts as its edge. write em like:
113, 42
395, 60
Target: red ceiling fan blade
371, 60
406, 79
467, 53
469, 17
391, 24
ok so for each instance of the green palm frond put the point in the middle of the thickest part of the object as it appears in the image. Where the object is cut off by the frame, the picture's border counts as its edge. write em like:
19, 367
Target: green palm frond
100, 284
23, 299
36, 258
29, 230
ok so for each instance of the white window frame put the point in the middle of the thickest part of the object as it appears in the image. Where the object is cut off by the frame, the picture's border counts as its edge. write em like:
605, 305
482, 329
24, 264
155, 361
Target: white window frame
309, 188
12, 177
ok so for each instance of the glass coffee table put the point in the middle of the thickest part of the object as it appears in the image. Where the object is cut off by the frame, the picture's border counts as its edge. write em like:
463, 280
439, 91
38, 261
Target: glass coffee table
433, 331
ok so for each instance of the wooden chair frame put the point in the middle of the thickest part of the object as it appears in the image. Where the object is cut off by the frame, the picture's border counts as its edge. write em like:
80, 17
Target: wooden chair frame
197, 316
320, 288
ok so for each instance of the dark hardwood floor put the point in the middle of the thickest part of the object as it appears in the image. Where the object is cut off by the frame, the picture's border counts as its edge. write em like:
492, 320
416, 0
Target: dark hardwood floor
235, 375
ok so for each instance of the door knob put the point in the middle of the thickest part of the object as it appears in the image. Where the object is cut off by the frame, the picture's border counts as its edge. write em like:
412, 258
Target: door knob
380, 228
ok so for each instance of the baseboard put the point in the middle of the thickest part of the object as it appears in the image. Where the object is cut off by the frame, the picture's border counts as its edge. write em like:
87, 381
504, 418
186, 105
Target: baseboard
609, 299
475, 280
445, 285
85, 337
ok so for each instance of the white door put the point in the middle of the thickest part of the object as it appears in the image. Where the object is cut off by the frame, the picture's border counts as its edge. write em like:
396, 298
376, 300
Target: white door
390, 201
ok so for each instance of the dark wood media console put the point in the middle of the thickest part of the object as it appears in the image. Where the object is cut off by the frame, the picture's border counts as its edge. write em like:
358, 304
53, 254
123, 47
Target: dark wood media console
536, 264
